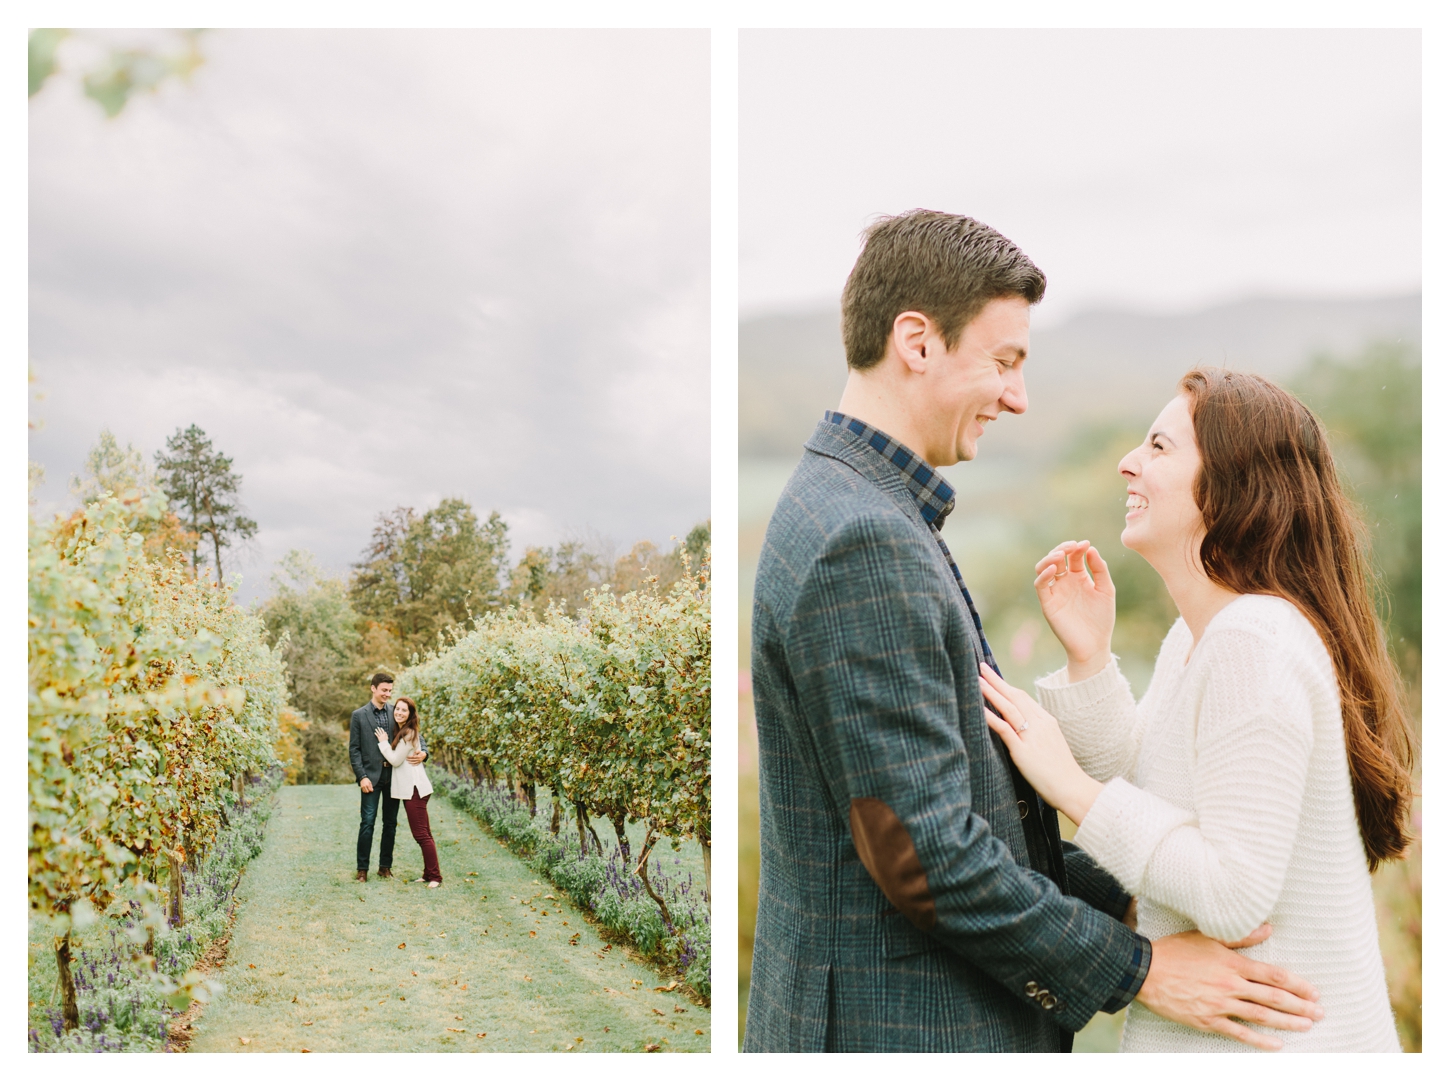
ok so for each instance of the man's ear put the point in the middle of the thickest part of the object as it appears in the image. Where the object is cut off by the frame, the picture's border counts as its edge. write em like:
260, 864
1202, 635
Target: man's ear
909, 334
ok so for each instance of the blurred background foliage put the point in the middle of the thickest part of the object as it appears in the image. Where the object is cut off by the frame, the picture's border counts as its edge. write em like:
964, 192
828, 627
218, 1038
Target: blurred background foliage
111, 73
1024, 496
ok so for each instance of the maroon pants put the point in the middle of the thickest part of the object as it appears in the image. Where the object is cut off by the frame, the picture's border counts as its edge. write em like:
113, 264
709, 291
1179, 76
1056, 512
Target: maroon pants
417, 809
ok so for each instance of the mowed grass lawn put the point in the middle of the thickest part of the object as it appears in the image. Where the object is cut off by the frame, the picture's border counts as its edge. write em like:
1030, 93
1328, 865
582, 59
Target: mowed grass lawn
315, 961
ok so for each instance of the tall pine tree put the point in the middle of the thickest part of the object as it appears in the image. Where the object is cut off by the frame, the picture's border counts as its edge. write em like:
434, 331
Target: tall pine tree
204, 494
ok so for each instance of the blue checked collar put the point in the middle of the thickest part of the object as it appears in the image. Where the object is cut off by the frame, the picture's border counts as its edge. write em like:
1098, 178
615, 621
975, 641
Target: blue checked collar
934, 497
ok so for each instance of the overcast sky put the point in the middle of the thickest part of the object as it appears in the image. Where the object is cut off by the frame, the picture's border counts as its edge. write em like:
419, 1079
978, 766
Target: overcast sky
1155, 170
381, 268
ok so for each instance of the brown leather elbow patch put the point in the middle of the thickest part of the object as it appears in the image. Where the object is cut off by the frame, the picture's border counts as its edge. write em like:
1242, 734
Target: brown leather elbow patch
885, 848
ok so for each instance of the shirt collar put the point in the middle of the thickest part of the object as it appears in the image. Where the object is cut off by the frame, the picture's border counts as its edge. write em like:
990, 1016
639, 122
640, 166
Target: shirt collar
934, 497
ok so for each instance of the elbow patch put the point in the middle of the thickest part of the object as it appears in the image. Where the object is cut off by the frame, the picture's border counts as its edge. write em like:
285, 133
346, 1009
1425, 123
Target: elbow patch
885, 847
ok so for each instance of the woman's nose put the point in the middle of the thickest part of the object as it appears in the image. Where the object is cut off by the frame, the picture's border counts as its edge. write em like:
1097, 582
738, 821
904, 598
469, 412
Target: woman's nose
1128, 466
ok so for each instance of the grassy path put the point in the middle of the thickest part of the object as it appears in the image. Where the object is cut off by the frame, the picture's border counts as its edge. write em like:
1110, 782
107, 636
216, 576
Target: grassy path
314, 960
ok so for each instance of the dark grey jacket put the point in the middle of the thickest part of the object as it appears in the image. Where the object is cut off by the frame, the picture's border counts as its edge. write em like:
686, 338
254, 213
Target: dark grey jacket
362, 748
899, 905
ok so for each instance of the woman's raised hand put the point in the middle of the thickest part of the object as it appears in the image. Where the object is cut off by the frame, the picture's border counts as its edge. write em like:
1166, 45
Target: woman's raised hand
1077, 598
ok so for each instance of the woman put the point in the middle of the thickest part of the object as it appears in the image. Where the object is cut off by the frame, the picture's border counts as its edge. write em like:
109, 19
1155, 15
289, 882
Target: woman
1266, 772
410, 784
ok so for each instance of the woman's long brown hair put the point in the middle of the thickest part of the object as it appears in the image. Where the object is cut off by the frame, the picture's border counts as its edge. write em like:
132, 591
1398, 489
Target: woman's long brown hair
1278, 522
411, 724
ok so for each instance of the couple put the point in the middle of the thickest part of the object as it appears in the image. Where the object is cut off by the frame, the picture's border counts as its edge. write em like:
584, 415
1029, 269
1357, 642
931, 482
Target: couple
915, 894
387, 751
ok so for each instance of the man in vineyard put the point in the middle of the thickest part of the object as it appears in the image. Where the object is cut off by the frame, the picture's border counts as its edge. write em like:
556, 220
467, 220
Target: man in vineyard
374, 775
915, 894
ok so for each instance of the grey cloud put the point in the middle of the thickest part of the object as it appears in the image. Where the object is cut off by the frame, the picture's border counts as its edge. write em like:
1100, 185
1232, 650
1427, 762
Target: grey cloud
386, 267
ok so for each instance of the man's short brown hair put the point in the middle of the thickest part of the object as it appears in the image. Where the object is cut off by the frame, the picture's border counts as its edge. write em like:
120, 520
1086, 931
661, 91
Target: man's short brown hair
943, 265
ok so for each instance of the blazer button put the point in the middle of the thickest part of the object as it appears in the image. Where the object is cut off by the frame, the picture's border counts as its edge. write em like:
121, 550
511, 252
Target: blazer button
1031, 989
1048, 1001
1021, 808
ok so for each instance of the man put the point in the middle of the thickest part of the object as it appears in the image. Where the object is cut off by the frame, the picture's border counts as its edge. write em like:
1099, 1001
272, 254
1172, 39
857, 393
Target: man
914, 892
374, 775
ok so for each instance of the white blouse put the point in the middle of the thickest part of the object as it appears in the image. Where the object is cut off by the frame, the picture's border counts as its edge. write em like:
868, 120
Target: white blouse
405, 775
1228, 804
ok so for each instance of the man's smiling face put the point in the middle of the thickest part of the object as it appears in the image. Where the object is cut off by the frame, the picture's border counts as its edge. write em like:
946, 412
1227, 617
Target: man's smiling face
971, 385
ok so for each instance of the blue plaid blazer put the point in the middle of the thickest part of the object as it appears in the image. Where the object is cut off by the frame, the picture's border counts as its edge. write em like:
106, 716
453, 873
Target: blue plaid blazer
903, 906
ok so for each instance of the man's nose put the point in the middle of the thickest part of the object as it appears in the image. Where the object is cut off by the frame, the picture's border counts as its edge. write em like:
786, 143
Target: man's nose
1014, 392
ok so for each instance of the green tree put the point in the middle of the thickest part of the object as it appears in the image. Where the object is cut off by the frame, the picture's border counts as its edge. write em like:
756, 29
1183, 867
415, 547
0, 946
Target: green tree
314, 627
108, 468
203, 492
423, 574
125, 474
562, 576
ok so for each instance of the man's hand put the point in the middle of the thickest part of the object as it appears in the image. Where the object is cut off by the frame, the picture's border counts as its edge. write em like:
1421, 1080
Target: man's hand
1202, 983
416, 758
1130, 917
366, 784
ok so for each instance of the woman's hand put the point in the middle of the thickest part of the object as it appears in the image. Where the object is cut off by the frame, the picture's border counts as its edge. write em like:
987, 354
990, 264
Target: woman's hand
1080, 608
382, 736
1038, 747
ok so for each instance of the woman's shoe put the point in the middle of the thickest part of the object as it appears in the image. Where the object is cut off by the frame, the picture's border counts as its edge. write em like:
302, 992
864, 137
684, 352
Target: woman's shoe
434, 885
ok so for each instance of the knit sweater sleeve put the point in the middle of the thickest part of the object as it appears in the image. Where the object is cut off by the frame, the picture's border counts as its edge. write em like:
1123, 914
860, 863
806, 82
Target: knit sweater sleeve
1223, 862
1097, 715
395, 755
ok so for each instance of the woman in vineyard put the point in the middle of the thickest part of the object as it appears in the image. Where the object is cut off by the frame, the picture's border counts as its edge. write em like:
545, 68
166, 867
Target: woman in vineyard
410, 784
1265, 773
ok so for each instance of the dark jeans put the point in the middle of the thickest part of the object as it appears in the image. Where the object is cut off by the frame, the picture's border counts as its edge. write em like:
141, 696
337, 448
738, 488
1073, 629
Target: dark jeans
365, 828
418, 821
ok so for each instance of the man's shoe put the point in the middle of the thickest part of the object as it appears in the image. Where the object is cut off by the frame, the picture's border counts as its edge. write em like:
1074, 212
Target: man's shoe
362, 876
385, 872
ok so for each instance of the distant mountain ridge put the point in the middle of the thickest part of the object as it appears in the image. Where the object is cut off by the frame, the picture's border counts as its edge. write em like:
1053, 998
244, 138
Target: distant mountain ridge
1097, 366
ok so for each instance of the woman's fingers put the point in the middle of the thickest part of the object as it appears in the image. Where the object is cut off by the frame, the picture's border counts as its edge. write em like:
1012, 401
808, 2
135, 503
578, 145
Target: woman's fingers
1002, 728
1057, 557
1004, 705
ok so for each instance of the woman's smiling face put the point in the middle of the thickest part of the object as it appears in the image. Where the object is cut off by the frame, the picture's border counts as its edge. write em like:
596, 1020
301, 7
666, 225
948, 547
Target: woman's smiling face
400, 712
1163, 519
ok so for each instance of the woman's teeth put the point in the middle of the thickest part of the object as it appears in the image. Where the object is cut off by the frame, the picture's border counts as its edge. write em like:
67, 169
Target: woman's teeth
1136, 502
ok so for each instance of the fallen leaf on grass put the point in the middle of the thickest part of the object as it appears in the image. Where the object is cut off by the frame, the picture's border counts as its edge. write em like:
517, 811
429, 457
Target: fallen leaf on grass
463, 987
458, 1017
251, 966
481, 1035
457, 1029
533, 934
294, 999
402, 945
651, 1047
305, 1050
245, 1039
528, 979
699, 1032
415, 972
307, 1022
660, 1012
612, 991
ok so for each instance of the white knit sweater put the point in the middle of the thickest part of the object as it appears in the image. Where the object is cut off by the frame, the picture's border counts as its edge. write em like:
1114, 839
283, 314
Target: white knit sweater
1228, 804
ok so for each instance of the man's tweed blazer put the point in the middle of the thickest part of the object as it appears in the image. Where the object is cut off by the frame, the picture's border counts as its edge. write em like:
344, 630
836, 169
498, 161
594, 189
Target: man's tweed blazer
873, 744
